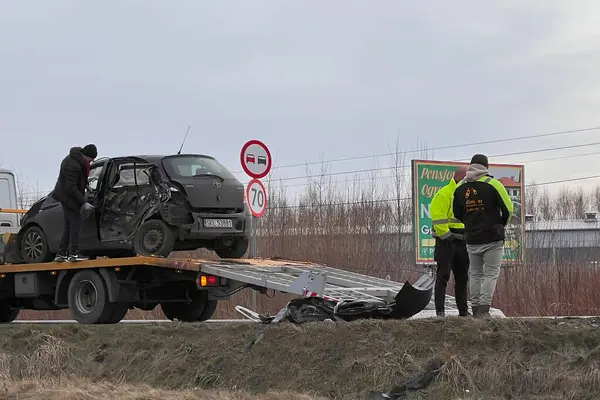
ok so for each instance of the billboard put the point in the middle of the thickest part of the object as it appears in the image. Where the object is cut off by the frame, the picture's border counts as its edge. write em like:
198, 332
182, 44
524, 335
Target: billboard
430, 176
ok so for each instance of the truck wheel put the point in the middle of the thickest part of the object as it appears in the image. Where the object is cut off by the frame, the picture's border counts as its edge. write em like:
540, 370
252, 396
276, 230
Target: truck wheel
118, 313
154, 238
209, 310
33, 246
187, 312
237, 249
88, 298
7, 313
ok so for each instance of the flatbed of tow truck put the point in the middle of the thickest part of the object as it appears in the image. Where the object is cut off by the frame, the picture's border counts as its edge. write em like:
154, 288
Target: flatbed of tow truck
102, 290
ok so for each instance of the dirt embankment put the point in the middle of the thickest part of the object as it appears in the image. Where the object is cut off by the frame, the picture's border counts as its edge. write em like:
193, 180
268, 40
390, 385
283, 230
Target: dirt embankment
524, 359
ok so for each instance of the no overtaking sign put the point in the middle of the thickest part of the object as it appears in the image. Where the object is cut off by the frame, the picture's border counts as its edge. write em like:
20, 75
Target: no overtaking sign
256, 161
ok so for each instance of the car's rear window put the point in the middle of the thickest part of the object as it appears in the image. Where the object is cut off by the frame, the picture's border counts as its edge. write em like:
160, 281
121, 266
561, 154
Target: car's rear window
188, 166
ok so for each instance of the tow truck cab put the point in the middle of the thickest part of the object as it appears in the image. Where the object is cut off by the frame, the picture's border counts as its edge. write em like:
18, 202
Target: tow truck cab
8, 199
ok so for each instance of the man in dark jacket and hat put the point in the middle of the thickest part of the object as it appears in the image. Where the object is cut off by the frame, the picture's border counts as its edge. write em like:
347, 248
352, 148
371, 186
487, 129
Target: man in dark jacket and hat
70, 192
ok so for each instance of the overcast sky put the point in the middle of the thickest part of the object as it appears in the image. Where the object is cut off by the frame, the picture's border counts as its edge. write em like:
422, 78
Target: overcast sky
312, 79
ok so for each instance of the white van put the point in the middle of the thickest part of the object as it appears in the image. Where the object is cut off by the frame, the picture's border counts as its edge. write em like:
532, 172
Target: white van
8, 199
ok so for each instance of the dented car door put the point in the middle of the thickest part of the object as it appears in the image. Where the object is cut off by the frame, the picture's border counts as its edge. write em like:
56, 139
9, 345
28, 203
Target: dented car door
134, 192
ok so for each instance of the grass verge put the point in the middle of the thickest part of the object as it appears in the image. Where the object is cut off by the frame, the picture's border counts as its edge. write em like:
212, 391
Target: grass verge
523, 359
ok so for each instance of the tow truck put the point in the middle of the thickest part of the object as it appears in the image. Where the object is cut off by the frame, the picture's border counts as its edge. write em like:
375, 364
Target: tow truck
102, 290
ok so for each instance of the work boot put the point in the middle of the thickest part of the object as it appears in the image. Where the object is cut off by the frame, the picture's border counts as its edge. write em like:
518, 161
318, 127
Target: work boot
440, 314
484, 311
475, 311
61, 256
75, 256
464, 313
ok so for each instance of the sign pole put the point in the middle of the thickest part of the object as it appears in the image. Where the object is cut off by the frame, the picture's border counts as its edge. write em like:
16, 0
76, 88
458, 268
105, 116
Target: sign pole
254, 250
256, 161
255, 158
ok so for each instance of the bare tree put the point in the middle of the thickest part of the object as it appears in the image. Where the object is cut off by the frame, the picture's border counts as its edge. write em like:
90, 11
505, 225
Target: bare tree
532, 199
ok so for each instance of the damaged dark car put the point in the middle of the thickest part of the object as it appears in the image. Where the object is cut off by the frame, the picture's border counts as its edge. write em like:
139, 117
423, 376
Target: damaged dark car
147, 205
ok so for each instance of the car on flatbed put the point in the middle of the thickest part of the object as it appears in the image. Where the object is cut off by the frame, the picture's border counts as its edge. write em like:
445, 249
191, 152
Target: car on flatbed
147, 205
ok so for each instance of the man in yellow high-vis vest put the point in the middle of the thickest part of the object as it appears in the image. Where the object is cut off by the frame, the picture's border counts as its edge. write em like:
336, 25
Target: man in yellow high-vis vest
450, 248
483, 204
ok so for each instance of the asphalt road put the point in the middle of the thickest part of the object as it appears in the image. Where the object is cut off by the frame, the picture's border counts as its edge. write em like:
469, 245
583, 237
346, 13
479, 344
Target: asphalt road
246, 321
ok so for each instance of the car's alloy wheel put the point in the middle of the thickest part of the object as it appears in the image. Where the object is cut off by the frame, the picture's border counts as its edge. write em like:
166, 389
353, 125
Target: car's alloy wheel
33, 245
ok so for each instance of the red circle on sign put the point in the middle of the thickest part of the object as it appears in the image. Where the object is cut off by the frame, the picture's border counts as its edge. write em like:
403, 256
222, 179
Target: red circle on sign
242, 160
264, 207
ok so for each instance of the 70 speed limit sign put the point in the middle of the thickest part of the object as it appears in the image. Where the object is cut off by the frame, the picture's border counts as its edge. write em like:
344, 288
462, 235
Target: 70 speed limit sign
256, 196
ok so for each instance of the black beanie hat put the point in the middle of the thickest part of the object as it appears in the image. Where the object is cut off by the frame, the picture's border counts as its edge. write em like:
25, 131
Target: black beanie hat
90, 151
480, 159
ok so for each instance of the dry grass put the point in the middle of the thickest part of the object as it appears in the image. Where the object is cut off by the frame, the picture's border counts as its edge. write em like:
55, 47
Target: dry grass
78, 389
483, 359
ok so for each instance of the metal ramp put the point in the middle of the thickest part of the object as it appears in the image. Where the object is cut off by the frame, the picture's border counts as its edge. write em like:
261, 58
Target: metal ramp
310, 280
307, 279
332, 284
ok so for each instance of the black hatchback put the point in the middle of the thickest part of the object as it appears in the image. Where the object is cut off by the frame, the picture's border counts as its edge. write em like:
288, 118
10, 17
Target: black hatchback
148, 205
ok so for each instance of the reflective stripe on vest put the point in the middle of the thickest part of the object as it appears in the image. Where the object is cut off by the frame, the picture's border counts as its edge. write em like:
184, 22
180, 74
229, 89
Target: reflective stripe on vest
445, 221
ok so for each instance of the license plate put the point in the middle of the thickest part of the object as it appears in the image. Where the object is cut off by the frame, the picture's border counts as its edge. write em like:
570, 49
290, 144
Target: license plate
218, 223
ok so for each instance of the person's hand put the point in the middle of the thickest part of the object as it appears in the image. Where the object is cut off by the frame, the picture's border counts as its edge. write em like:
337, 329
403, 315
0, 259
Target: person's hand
86, 210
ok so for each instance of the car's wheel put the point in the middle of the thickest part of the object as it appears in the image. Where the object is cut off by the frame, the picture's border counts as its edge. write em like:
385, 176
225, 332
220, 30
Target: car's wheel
34, 246
154, 238
88, 298
236, 249
7, 313
187, 312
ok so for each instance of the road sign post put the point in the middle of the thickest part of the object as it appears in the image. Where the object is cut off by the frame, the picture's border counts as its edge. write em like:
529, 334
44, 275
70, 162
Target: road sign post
256, 161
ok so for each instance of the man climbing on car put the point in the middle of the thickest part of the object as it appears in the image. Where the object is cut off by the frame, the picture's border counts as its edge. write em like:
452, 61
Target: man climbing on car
70, 193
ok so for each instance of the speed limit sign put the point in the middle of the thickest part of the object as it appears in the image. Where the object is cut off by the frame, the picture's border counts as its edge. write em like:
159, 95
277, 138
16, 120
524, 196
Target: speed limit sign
256, 196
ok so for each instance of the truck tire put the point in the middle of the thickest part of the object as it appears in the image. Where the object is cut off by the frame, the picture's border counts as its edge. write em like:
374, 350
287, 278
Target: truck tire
154, 238
119, 312
187, 312
88, 298
236, 250
209, 310
7, 313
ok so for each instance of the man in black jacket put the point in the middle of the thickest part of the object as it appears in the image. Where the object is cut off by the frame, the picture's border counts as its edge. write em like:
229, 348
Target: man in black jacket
70, 192
482, 203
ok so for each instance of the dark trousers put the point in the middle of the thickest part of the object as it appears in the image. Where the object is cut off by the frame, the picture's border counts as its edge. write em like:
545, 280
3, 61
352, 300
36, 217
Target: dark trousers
451, 256
71, 227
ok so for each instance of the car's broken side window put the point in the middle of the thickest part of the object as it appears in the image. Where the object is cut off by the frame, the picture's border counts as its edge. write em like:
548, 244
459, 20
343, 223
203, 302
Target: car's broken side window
94, 177
127, 178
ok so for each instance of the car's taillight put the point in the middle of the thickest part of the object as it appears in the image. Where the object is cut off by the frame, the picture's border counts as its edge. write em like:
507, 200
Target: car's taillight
207, 281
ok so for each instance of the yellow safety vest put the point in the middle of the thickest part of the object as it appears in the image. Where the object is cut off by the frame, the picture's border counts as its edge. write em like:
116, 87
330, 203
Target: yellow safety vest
442, 216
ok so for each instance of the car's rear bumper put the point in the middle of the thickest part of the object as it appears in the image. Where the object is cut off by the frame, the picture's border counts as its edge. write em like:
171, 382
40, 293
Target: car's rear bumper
241, 226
